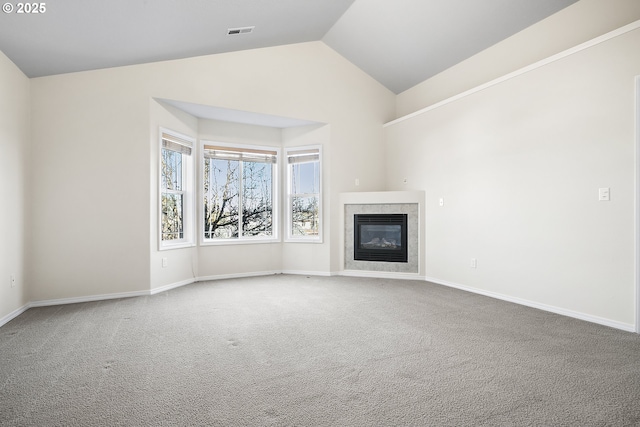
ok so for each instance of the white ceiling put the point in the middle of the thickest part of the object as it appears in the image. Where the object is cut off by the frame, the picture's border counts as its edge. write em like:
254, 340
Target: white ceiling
236, 116
398, 42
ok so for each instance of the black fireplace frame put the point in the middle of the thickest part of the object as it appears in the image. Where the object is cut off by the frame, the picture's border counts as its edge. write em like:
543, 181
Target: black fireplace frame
382, 255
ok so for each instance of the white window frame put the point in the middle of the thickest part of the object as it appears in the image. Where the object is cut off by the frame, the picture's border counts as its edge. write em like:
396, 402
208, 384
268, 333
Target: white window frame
275, 183
188, 181
289, 209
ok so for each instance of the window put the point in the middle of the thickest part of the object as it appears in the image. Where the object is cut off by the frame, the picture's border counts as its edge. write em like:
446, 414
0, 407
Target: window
176, 183
304, 210
239, 188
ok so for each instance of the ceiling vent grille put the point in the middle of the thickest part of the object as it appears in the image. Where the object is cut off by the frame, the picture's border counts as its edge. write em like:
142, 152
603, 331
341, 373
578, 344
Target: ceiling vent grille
239, 30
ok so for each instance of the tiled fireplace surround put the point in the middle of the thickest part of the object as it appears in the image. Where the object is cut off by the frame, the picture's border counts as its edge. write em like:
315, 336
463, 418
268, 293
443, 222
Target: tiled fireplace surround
385, 202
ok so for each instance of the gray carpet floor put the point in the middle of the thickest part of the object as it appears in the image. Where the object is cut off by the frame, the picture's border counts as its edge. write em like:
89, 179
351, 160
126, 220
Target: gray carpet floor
314, 351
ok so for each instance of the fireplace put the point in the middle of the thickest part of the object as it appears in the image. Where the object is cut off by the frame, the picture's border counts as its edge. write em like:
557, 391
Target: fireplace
409, 203
380, 237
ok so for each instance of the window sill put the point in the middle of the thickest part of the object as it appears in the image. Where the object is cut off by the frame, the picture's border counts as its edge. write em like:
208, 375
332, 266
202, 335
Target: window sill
303, 240
182, 245
225, 242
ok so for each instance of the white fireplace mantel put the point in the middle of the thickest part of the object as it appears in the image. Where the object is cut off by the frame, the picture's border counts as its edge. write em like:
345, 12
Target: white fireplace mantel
382, 197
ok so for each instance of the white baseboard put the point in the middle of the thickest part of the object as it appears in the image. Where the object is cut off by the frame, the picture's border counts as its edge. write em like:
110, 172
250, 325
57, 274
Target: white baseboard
172, 286
381, 274
90, 298
63, 301
237, 275
15, 313
307, 273
349, 273
552, 309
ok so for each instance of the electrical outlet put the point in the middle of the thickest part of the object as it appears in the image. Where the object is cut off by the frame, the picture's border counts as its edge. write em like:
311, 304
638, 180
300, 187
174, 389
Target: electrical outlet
165, 262
12, 279
474, 263
441, 201
357, 181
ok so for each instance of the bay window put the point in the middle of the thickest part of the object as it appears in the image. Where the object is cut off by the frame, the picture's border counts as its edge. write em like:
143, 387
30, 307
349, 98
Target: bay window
176, 190
239, 193
304, 204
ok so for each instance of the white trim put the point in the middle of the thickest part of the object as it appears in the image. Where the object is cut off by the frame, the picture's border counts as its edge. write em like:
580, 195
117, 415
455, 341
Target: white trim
381, 274
254, 240
238, 275
90, 298
637, 207
552, 309
189, 208
179, 245
311, 240
275, 196
288, 238
103, 297
171, 286
15, 313
583, 46
308, 273
348, 273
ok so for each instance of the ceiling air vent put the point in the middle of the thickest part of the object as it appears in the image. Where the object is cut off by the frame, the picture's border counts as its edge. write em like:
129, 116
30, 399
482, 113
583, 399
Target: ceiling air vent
240, 30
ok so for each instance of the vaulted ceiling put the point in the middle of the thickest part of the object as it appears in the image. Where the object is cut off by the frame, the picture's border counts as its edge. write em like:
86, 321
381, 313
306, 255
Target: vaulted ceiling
398, 42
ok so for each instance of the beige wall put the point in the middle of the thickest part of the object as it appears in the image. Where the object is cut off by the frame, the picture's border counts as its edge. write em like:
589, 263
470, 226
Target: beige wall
14, 141
103, 242
239, 259
519, 166
573, 25
314, 257
181, 264
89, 201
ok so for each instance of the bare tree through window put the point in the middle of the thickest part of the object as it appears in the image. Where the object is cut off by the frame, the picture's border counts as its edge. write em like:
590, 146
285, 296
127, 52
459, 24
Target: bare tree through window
172, 203
238, 193
304, 192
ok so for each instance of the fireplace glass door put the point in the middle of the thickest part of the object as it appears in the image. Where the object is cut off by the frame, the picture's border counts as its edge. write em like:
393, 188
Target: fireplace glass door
380, 237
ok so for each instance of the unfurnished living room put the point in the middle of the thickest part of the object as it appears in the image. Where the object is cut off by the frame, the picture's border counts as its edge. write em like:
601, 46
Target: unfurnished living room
320, 213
